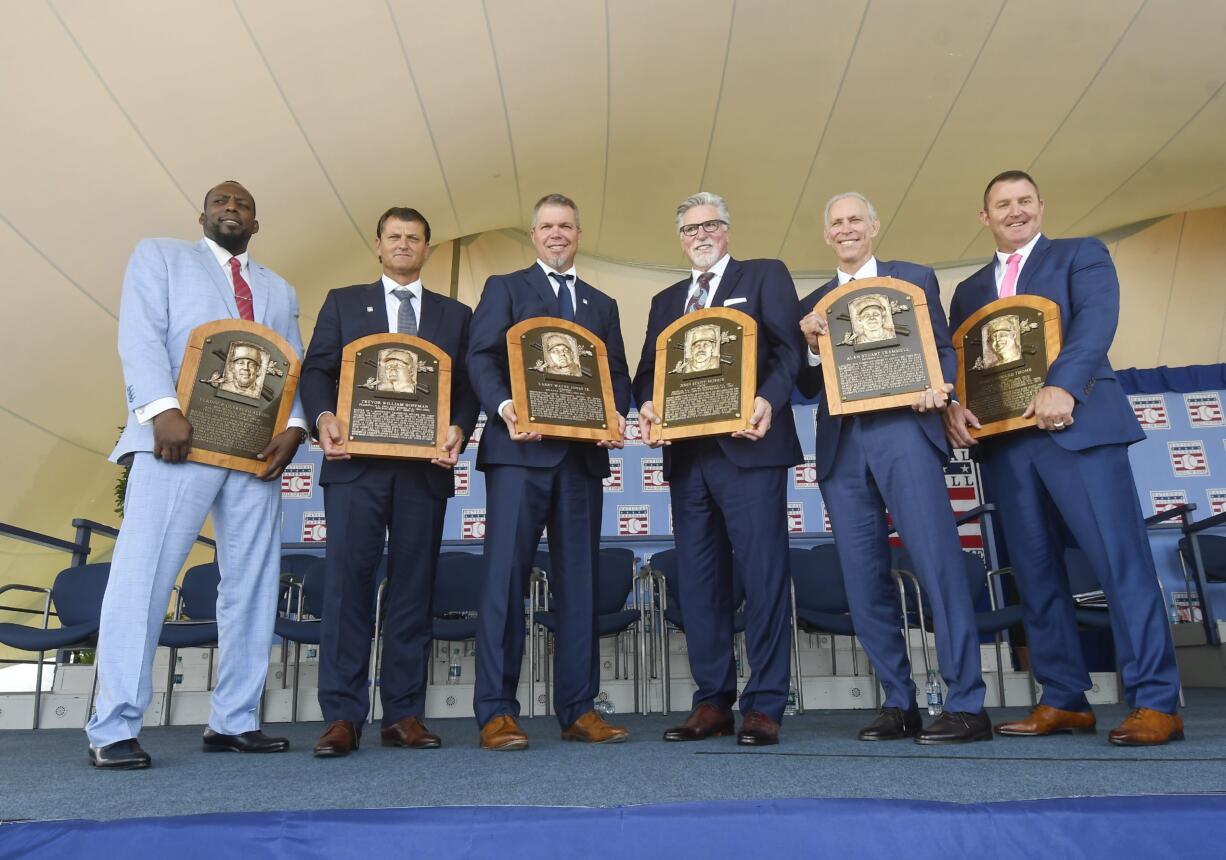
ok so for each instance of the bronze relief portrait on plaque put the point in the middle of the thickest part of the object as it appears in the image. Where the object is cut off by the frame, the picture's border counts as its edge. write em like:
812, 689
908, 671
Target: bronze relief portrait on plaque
561, 351
872, 320
396, 371
1002, 341
244, 372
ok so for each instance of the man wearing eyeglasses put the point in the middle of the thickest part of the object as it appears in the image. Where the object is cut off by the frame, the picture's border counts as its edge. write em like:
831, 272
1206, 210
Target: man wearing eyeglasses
729, 493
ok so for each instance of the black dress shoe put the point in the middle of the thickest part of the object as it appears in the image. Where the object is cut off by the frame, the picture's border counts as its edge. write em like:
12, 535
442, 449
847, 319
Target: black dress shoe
892, 724
121, 755
757, 730
254, 741
957, 727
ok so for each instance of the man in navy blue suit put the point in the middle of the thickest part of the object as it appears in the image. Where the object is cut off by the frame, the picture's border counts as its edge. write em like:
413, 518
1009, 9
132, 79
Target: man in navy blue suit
1073, 465
729, 493
366, 496
534, 483
895, 459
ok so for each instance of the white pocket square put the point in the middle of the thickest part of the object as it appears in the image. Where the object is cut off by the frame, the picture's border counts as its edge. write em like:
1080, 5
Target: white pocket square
735, 301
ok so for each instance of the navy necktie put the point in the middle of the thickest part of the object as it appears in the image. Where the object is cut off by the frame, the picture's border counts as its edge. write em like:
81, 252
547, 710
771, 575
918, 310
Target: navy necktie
566, 307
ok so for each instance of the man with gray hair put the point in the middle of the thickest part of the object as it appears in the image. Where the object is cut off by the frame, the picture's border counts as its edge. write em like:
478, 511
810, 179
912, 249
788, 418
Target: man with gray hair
895, 459
729, 493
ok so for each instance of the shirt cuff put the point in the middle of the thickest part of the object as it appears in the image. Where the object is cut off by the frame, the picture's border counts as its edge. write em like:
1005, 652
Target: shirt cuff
502, 405
301, 424
814, 358
145, 414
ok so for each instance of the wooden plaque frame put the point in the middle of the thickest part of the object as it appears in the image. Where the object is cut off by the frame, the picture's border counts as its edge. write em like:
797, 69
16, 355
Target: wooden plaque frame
347, 381
749, 375
519, 385
927, 347
1052, 339
187, 382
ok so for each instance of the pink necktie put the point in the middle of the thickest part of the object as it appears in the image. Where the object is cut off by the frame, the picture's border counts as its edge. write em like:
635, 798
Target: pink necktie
242, 292
1009, 285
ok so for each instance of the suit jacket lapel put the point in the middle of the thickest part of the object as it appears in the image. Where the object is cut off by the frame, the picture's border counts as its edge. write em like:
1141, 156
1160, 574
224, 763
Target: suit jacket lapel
223, 285
1032, 264
727, 283
431, 310
544, 288
259, 291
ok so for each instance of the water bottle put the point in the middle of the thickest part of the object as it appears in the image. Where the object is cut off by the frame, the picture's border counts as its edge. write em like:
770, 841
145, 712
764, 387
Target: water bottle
454, 671
1173, 614
789, 710
933, 690
604, 706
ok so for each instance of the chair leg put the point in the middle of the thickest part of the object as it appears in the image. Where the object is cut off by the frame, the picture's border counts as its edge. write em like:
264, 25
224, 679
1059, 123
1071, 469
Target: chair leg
93, 691
1000, 672
38, 687
293, 708
170, 685
800, 694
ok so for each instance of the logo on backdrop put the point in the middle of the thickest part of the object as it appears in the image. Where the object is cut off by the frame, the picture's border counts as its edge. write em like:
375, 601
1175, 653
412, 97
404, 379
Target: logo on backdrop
1204, 409
472, 524
1150, 410
314, 527
1188, 458
1163, 500
796, 517
633, 520
633, 435
653, 475
825, 519
1217, 501
613, 483
963, 492
804, 476
312, 445
463, 474
478, 429
298, 481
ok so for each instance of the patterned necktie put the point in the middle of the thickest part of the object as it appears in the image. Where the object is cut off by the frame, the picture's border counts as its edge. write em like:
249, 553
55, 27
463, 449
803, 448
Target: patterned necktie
566, 306
698, 299
1008, 286
242, 292
406, 320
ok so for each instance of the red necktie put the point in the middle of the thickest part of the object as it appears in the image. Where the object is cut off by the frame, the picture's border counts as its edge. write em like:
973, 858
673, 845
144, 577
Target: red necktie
1008, 286
242, 292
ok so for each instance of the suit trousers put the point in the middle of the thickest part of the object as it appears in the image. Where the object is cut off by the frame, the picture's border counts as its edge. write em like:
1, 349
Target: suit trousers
885, 461
721, 509
522, 501
389, 496
1031, 478
165, 508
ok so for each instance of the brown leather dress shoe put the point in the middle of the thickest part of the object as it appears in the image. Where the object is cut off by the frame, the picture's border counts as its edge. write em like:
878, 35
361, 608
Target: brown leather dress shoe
410, 732
592, 729
757, 730
1046, 720
705, 721
957, 727
339, 739
503, 733
1145, 727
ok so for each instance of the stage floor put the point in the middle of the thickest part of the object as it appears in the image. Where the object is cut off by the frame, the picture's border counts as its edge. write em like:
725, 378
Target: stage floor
45, 774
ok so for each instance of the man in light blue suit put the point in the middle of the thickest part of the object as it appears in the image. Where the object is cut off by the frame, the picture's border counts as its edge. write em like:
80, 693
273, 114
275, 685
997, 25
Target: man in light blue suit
895, 459
1073, 466
170, 288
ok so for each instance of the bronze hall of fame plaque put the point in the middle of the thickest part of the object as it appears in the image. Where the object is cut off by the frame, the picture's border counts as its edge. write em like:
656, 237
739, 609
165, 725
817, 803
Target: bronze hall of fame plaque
1004, 350
394, 396
706, 374
878, 351
560, 380
236, 386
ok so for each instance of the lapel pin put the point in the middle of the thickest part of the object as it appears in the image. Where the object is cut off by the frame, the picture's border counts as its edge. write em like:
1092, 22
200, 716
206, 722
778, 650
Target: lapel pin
369, 309
585, 301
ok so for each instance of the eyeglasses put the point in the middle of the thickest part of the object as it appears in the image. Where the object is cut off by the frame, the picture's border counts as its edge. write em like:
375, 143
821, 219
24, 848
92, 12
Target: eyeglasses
711, 226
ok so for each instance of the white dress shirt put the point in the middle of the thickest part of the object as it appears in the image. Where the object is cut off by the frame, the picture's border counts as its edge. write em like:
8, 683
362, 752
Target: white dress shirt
868, 270
393, 303
1002, 260
718, 271
148, 411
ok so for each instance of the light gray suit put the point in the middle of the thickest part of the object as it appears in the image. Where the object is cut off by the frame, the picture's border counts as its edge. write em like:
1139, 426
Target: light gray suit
170, 287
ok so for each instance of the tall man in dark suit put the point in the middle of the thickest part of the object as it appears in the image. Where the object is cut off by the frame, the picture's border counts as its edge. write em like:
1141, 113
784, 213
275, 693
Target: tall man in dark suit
895, 459
729, 493
1073, 465
532, 483
364, 496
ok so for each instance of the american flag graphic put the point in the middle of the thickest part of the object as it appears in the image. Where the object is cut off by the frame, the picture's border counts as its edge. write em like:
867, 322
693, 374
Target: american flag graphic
1150, 410
1217, 501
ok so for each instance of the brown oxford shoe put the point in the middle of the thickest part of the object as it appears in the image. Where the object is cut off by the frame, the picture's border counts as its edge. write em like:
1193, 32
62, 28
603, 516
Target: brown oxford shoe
1046, 720
1145, 727
592, 729
503, 733
705, 721
757, 730
339, 739
410, 732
